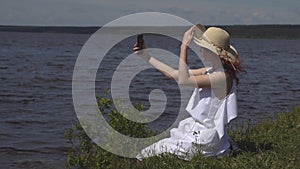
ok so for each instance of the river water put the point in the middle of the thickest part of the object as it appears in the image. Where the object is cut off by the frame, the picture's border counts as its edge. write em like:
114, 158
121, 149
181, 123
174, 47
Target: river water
36, 105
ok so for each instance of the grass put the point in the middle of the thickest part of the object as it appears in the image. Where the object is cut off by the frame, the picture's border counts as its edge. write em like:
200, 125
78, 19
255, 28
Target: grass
269, 144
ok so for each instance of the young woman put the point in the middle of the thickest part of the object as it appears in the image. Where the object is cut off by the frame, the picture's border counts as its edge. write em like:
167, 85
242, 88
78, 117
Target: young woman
213, 103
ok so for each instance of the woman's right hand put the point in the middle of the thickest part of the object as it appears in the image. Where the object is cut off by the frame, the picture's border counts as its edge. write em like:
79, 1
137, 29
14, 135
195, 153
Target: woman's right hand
188, 36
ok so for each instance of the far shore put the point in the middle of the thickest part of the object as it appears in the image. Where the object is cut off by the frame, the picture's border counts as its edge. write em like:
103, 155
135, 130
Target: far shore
237, 31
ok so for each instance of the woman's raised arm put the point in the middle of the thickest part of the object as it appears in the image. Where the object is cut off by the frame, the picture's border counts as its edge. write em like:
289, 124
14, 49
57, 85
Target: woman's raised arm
165, 69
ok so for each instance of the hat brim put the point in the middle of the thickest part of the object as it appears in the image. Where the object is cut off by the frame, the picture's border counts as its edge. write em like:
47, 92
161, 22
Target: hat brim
199, 40
205, 44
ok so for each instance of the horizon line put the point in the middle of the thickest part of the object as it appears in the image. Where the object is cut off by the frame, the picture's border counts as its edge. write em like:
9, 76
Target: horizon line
4, 25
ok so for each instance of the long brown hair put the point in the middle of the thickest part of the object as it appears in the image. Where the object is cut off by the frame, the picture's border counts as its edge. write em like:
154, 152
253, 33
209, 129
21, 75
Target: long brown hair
231, 67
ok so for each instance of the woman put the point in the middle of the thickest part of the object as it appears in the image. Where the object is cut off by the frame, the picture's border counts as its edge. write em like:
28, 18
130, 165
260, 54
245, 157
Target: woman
213, 103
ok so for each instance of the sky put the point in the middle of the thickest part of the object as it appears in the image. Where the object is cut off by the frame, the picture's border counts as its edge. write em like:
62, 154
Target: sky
101, 12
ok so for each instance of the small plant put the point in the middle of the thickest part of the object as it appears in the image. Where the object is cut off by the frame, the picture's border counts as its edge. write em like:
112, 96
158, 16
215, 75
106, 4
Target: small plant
86, 154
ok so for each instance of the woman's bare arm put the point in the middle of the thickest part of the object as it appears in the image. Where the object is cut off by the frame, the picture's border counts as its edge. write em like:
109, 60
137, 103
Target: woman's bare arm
171, 72
215, 80
165, 69
184, 77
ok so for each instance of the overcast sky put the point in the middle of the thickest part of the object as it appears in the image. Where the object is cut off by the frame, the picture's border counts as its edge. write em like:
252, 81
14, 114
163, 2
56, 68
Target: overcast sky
101, 12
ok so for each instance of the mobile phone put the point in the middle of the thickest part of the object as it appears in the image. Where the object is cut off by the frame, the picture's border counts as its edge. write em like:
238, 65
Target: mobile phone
140, 41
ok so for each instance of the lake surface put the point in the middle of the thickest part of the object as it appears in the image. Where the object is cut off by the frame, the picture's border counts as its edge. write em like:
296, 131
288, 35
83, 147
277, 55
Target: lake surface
36, 105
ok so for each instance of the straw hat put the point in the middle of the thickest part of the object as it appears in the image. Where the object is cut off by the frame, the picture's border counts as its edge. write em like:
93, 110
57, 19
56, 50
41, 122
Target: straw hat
216, 40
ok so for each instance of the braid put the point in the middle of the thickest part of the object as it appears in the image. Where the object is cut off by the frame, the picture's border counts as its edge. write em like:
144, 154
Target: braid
232, 67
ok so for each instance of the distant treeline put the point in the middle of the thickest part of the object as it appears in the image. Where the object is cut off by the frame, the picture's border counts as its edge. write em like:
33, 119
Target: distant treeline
264, 31
237, 31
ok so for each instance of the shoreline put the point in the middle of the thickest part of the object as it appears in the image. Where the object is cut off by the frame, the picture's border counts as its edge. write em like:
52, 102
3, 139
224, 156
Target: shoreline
237, 31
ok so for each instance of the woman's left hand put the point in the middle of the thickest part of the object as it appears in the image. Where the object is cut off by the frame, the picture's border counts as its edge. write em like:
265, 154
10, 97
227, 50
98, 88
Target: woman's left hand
188, 36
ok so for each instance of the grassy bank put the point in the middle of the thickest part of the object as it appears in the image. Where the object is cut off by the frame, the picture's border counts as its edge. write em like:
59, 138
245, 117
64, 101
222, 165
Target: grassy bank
269, 144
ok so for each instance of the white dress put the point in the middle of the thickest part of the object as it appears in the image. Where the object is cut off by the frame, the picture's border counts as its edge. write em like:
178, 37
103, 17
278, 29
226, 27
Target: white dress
204, 131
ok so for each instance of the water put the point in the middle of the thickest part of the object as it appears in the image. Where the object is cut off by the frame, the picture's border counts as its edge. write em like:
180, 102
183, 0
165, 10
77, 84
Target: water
36, 89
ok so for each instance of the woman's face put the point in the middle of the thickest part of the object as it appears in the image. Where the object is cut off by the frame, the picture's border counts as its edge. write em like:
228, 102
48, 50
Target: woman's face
207, 55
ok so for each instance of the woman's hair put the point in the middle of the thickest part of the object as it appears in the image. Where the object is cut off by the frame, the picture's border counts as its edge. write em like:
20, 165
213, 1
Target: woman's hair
231, 67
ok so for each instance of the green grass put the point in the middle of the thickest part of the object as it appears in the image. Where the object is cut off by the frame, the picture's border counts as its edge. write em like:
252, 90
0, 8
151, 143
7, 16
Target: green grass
269, 144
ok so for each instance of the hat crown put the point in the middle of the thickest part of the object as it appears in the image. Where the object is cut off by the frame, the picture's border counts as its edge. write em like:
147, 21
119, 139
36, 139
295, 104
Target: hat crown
218, 37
